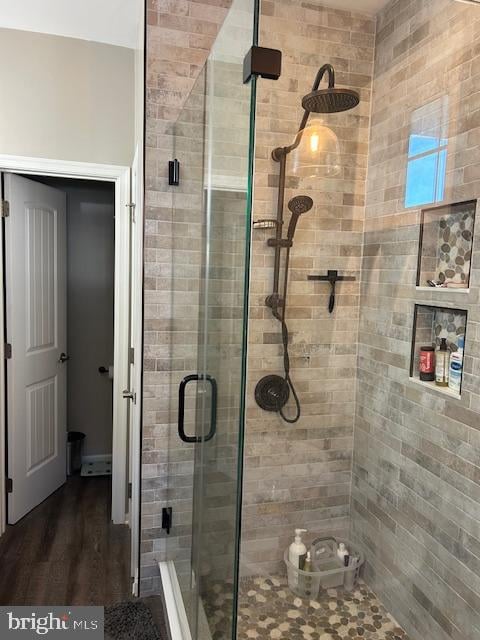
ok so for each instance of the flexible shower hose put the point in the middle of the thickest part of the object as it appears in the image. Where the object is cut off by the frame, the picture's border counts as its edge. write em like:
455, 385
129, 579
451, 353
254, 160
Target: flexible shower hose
288, 380
286, 357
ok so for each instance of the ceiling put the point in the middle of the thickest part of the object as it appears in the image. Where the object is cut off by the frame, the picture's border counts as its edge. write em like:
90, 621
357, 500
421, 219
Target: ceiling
367, 6
110, 21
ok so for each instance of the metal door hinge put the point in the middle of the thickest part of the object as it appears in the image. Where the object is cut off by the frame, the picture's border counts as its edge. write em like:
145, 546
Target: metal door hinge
4, 208
131, 206
9, 484
167, 518
7, 351
131, 355
129, 490
130, 395
174, 173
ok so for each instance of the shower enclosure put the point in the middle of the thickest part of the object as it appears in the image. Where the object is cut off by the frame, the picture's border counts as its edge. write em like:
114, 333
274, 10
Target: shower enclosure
210, 248
382, 267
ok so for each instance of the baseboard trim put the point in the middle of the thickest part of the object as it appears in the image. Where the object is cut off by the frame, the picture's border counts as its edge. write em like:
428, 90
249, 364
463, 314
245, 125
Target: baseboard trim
98, 458
175, 609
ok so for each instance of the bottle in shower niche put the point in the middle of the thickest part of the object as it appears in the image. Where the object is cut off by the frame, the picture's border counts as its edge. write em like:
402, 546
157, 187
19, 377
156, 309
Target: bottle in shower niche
442, 364
426, 364
456, 368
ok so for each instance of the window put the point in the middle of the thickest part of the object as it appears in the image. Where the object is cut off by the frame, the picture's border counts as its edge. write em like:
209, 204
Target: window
427, 154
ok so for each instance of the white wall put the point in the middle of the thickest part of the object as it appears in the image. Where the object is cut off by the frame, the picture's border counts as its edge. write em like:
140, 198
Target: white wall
66, 98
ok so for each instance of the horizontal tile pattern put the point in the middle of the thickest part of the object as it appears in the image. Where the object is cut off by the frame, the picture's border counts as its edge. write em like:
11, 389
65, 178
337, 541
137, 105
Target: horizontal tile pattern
299, 475
180, 35
416, 491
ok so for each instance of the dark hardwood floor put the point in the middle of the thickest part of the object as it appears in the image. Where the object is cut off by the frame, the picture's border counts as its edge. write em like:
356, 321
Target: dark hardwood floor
67, 551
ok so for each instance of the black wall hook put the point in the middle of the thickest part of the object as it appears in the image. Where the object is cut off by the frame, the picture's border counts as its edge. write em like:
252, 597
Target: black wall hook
332, 277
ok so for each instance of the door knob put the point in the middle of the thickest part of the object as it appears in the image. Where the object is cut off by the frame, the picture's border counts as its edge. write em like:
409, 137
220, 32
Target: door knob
130, 395
63, 358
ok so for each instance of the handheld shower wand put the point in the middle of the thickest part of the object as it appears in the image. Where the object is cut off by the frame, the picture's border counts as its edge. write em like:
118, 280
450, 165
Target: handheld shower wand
297, 206
272, 392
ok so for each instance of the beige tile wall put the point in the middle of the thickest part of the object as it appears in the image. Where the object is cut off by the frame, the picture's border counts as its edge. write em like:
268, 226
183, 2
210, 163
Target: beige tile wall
416, 490
415, 501
179, 38
299, 475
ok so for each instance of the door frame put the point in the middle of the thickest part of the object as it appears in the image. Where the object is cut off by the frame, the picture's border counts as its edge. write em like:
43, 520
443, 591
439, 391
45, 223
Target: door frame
120, 176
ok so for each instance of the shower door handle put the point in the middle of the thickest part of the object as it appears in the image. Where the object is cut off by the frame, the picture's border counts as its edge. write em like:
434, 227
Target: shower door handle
181, 409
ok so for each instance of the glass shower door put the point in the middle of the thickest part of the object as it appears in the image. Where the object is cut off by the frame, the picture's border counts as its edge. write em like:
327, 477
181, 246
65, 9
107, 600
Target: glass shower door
214, 144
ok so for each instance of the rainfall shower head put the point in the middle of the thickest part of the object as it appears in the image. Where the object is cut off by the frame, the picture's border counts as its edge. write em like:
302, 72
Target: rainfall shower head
297, 205
330, 100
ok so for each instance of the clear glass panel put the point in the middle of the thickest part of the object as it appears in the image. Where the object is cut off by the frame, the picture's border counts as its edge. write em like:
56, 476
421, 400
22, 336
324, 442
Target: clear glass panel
210, 262
188, 235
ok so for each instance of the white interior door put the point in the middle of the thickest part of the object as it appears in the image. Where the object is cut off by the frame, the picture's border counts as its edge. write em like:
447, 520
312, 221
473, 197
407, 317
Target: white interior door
35, 274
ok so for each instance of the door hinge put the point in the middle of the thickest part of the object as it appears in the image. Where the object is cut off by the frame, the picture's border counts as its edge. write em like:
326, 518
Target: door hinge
4, 208
131, 355
131, 206
9, 485
130, 395
7, 351
174, 172
129, 490
167, 518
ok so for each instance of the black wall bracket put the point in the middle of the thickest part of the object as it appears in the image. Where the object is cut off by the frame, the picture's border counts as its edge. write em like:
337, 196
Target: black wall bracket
332, 277
167, 517
263, 62
174, 173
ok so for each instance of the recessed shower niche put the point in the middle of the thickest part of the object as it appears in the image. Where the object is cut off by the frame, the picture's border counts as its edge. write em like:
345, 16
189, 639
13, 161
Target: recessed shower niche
445, 247
430, 325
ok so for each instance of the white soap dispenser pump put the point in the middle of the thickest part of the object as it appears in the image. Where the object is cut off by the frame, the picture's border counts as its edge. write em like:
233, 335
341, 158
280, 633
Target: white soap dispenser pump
297, 551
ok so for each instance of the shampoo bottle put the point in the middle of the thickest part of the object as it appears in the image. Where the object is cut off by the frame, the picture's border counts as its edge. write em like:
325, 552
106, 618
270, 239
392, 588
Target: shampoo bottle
442, 363
308, 562
456, 368
342, 553
297, 552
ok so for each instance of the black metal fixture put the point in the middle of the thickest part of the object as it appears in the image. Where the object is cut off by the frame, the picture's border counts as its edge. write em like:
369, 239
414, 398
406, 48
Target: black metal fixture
270, 393
195, 377
174, 173
332, 277
167, 519
263, 62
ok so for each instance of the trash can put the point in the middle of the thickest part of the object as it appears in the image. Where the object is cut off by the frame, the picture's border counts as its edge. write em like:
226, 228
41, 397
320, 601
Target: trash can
74, 451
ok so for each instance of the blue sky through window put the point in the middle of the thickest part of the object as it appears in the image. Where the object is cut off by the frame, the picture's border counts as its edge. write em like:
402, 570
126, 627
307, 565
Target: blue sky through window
427, 154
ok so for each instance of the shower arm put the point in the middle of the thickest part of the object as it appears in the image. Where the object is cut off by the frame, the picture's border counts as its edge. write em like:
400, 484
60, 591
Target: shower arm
280, 152
280, 155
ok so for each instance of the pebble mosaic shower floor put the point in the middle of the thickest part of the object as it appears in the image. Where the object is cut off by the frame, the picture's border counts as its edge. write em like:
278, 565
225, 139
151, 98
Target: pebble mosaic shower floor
268, 610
